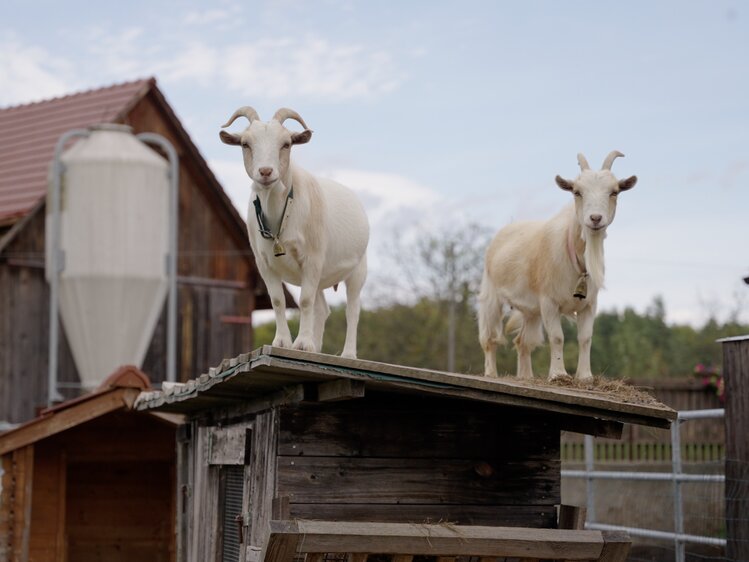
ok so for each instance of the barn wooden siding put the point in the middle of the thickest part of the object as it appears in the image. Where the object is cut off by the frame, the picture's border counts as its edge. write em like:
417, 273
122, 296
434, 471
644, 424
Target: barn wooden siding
217, 286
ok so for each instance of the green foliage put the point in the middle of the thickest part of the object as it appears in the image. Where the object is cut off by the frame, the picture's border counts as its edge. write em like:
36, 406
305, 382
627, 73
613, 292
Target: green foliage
625, 344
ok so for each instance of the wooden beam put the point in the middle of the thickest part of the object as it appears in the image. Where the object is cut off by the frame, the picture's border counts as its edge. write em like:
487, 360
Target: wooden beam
61, 419
591, 426
616, 546
571, 517
341, 389
436, 540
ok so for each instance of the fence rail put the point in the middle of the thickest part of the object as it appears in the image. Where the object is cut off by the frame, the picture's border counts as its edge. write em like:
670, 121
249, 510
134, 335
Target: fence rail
676, 476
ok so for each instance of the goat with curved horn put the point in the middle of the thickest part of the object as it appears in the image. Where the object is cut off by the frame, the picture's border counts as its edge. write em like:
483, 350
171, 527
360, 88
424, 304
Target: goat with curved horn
285, 113
583, 162
614, 154
244, 111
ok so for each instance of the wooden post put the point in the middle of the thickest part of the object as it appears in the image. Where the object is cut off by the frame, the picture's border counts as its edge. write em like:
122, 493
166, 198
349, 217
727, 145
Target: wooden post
736, 380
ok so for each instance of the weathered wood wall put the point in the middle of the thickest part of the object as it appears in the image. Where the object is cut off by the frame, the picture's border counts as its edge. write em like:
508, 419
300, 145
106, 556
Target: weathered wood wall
217, 289
400, 460
98, 497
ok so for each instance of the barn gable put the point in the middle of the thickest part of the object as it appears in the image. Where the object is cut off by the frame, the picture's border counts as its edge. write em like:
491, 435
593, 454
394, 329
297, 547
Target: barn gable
218, 283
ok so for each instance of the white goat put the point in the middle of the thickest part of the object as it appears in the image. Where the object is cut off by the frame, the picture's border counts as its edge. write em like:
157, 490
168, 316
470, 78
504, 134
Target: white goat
317, 242
544, 270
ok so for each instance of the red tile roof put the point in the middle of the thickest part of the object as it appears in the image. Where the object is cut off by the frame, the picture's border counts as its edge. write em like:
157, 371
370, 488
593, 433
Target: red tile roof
28, 134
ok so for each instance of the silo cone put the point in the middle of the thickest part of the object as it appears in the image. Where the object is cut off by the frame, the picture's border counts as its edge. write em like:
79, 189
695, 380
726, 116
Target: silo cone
114, 236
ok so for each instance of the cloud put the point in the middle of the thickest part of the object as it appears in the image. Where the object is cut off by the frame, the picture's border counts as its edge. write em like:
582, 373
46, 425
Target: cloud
276, 67
30, 73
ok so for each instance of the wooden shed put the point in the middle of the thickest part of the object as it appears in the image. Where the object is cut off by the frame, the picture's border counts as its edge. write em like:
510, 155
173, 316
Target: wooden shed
279, 436
90, 480
218, 284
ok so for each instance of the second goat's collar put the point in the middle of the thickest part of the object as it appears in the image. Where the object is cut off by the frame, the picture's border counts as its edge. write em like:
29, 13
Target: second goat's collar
581, 289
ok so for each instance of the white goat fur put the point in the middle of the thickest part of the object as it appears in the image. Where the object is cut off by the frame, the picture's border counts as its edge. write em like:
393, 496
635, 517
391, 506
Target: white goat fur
529, 267
325, 234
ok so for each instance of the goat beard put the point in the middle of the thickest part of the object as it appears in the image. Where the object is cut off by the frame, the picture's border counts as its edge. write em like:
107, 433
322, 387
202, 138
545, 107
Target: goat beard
594, 256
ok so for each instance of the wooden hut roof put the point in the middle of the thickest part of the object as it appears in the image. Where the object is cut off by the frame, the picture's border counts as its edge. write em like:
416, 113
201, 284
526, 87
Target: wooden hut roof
274, 373
118, 392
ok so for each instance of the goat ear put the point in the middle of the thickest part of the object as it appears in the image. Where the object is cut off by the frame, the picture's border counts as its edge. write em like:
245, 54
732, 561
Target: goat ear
567, 185
628, 183
229, 138
301, 138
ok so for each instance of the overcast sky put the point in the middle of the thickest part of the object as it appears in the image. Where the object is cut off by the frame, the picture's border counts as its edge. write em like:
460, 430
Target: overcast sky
455, 111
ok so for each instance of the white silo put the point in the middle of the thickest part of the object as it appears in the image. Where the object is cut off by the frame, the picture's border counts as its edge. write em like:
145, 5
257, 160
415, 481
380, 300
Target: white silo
114, 237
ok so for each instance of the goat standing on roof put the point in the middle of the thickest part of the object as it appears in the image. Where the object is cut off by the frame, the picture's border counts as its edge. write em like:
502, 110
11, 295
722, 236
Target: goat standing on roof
544, 270
308, 231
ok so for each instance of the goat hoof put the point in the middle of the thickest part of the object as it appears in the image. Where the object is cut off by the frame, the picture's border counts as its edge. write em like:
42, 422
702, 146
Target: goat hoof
279, 341
584, 377
560, 377
304, 344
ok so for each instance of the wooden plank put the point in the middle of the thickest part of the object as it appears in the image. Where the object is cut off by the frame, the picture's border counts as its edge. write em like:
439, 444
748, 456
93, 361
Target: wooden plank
6, 514
51, 424
437, 428
263, 475
539, 516
616, 546
417, 481
438, 540
402, 558
736, 377
594, 399
289, 395
228, 445
358, 557
205, 505
341, 389
571, 517
282, 548
536, 399
21, 495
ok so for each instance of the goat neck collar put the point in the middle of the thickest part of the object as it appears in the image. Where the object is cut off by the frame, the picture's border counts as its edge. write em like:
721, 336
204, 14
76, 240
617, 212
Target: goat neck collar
264, 228
581, 289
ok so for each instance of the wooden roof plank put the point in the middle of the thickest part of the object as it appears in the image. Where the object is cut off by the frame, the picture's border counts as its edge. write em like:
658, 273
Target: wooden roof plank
58, 421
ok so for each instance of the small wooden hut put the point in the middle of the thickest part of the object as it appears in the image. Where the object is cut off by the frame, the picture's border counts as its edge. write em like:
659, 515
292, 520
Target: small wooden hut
279, 436
89, 480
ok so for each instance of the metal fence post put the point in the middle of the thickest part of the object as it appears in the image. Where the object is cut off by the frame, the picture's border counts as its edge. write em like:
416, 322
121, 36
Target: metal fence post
676, 471
589, 484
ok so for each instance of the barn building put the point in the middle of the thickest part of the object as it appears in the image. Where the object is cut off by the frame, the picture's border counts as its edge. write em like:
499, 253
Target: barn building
277, 438
218, 284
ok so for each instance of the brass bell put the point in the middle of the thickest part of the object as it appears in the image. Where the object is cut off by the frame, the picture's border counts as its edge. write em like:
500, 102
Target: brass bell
278, 249
581, 289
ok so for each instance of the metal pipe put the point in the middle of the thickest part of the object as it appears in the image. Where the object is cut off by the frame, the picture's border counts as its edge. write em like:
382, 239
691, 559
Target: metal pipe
171, 319
678, 504
589, 484
651, 476
667, 535
56, 262
701, 414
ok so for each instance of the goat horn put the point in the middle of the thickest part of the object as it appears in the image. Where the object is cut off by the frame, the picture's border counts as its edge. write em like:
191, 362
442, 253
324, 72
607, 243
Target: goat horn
244, 111
583, 162
285, 113
610, 159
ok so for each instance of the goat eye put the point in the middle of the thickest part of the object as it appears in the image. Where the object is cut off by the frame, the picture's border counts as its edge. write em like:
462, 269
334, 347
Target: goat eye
614, 193
245, 145
577, 194
286, 145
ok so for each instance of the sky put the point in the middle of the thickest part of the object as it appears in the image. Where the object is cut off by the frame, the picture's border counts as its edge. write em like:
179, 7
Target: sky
442, 113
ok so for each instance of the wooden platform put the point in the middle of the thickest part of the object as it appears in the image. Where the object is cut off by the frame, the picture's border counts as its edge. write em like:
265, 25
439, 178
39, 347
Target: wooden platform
269, 369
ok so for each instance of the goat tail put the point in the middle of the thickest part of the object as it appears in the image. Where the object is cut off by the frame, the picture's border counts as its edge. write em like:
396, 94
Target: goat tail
490, 315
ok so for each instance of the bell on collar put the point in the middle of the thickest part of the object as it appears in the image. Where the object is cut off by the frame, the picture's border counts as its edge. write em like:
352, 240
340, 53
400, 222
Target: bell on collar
581, 289
278, 249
